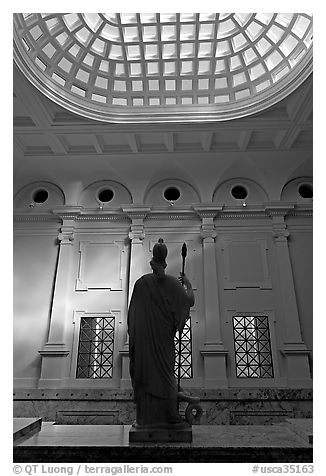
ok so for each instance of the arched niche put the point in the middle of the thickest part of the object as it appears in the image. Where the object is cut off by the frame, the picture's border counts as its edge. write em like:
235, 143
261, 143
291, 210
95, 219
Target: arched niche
237, 191
39, 195
104, 194
171, 192
299, 190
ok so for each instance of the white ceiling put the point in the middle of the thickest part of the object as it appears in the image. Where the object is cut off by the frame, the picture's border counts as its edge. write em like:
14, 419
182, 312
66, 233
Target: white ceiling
53, 144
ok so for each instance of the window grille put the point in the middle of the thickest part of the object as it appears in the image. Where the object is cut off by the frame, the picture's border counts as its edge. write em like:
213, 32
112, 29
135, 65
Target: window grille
186, 352
253, 356
95, 350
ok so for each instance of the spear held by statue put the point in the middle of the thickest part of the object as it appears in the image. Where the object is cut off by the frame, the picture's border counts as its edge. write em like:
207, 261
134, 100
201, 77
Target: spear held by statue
184, 255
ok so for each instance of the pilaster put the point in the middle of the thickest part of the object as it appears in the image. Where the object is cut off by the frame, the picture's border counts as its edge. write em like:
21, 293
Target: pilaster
213, 351
294, 349
54, 353
137, 214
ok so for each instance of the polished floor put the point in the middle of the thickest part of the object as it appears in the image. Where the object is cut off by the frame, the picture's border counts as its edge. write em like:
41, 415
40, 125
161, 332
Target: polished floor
206, 435
289, 441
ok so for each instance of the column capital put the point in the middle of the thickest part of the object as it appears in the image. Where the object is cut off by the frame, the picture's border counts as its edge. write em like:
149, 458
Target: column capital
280, 231
136, 233
66, 234
208, 233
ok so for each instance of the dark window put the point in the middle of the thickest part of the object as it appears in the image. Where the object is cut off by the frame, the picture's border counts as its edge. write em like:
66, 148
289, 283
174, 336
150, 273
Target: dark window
253, 356
172, 194
95, 350
186, 353
40, 196
305, 190
106, 195
239, 192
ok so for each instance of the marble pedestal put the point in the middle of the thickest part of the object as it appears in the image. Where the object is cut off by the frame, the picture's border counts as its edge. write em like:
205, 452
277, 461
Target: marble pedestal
160, 435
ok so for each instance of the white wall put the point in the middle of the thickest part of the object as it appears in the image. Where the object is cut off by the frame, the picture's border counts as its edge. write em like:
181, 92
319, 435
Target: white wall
35, 256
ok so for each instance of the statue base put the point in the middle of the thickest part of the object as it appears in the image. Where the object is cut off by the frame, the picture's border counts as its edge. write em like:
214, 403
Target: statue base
160, 435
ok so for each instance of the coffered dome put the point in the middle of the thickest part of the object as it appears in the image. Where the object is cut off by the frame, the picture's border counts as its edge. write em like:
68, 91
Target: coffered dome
154, 67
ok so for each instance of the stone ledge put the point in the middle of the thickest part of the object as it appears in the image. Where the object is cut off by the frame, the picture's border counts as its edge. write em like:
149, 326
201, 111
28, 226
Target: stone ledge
203, 394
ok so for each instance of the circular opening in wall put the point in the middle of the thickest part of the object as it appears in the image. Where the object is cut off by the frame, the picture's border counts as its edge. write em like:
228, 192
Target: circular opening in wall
239, 192
40, 196
305, 190
172, 194
106, 195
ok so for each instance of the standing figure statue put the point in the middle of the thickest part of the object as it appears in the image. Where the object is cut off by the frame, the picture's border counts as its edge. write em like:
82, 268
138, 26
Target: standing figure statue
159, 306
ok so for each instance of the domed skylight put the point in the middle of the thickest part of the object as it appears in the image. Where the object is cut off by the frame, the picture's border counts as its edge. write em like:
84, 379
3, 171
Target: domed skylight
146, 67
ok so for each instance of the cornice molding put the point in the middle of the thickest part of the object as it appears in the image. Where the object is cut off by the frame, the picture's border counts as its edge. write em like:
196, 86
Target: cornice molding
139, 213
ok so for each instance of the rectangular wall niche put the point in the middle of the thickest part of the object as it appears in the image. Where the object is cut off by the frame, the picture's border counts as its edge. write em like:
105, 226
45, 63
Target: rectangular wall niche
246, 265
95, 348
100, 266
252, 345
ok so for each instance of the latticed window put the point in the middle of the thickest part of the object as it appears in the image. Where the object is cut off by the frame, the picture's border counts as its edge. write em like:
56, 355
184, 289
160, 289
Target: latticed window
186, 353
95, 349
253, 356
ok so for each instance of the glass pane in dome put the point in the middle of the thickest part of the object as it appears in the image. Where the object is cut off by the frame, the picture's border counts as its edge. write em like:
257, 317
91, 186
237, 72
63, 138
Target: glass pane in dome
186, 67
101, 82
168, 32
288, 45
98, 46
130, 33
150, 33
206, 31
167, 17
93, 20
275, 33
264, 18
115, 52
207, 16
104, 65
151, 51
153, 85
187, 32
205, 49
147, 17
186, 84
239, 42
300, 26
187, 17
169, 68
83, 35
284, 18
242, 18
110, 32
169, 84
119, 68
222, 49
49, 50
128, 17
273, 60
187, 50
169, 50
254, 30
135, 69
221, 83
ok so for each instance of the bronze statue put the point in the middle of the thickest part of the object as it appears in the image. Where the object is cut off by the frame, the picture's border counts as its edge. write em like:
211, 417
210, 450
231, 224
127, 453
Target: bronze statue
159, 306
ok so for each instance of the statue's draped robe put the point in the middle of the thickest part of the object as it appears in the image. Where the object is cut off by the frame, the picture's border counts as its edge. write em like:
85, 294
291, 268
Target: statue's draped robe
158, 307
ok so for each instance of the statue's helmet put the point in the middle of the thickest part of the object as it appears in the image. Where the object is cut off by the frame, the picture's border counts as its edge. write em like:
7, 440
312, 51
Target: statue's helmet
160, 252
